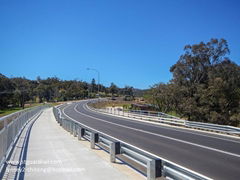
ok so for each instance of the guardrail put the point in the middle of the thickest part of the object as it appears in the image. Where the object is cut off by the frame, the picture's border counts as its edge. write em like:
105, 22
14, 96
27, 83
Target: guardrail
13, 126
144, 115
153, 166
213, 127
163, 118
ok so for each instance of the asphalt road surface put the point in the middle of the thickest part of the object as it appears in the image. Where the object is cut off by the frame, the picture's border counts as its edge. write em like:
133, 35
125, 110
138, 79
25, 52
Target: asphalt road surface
212, 155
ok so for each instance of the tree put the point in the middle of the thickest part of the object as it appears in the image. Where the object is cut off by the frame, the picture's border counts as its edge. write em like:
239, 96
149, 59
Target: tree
128, 93
223, 93
22, 90
192, 67
6, 91
16, 91
205, 85
93, 86
191, 74
113, 89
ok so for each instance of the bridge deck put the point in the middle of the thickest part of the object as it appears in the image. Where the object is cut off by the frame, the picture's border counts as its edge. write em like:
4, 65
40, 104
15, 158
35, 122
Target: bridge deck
49, 152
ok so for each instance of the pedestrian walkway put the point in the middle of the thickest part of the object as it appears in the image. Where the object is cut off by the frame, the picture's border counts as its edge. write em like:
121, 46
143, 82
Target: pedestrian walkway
46, 151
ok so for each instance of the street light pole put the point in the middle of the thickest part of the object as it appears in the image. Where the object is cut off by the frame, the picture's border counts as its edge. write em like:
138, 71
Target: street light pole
98, 73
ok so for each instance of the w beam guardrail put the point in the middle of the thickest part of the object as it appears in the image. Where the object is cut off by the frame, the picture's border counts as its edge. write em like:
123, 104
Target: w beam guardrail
13, 125
159, 117
153, 166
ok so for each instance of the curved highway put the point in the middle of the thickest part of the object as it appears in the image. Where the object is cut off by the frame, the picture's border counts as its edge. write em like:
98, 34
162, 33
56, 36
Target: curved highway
214, 156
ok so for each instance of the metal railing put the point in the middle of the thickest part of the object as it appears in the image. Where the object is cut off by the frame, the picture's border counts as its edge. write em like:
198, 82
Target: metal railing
12, 128
163, 118
154, 166
144, 115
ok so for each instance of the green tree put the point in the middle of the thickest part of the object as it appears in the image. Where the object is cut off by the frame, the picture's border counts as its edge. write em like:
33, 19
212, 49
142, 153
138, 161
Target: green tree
191, 74
223, 93
113, 89
205, 85
128, 93
22, 90
93, 86
6, 91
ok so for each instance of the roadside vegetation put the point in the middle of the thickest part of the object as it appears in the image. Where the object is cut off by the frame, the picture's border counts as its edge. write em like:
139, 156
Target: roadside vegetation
105, 104
17, 93
205, 85
5, 112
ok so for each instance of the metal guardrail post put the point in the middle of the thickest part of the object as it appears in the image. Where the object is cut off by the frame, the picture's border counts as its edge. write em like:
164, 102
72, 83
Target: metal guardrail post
154, 169
68, 126
74, 129
60, 120
151, 171
140, 113
114, 150
81, 132
93, 139
5, 138
63, 124
71, 127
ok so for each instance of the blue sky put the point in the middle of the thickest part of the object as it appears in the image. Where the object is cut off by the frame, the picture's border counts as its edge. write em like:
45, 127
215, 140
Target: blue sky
131, 42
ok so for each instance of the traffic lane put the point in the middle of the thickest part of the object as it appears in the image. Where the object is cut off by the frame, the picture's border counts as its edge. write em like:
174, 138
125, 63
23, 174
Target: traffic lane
212, 142
213, 164
186, 130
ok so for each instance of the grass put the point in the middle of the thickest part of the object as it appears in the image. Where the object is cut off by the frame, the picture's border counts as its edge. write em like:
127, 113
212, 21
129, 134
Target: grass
111, 104
4, 112
173, 113
1, 125
55, 103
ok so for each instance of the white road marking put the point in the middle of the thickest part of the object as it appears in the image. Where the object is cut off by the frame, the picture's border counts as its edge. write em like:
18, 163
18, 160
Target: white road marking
154, 134
152, 154
169, 128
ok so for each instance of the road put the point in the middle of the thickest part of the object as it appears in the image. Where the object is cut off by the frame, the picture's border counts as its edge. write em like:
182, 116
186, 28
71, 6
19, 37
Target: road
212, 155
